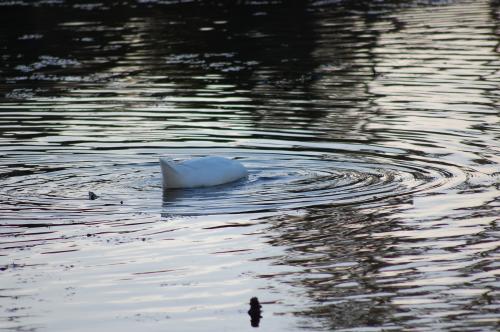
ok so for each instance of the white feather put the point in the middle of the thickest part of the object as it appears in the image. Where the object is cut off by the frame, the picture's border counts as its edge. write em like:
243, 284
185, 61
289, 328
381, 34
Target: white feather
200, 172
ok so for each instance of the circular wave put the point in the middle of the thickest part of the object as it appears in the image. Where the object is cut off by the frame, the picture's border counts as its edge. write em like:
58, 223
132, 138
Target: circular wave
293, 181
276, 181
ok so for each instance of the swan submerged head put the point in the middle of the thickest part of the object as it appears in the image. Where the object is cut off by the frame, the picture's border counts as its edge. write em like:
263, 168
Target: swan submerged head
200, 172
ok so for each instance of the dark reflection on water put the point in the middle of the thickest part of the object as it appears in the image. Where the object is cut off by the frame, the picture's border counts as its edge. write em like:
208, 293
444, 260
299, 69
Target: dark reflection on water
360, 276
370, 130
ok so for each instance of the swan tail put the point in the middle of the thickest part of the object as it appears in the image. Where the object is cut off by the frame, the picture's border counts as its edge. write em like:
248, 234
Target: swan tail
168, 170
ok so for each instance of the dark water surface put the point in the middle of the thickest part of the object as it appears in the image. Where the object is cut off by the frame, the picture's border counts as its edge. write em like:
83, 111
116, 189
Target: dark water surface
370, 130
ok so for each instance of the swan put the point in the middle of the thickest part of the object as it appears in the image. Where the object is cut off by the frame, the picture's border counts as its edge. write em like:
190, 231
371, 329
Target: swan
200, 172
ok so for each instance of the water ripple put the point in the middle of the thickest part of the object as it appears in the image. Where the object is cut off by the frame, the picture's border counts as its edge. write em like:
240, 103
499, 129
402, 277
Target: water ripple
370, 130
277, 180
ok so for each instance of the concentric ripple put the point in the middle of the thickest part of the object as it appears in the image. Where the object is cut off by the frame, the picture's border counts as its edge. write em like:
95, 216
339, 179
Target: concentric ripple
370, 130
277, 180
280, 181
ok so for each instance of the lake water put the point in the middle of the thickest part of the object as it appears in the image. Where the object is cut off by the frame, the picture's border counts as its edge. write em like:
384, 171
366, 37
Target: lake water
370, 130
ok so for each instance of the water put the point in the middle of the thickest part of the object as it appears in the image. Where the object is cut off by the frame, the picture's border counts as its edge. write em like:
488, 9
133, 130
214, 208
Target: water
370, 132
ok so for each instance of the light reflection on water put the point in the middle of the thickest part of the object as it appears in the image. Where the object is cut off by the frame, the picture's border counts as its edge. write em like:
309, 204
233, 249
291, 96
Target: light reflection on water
370, 132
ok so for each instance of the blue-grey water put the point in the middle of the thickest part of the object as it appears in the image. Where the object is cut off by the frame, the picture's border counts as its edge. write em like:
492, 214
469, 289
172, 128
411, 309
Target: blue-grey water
370, 130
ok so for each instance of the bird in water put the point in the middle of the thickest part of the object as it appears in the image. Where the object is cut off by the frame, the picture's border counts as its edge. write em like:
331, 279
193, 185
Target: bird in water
92, 196
200, 172
255, 312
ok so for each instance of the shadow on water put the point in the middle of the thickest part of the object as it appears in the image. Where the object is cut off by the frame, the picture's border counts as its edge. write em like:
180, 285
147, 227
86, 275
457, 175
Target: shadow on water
339, 264
361, 268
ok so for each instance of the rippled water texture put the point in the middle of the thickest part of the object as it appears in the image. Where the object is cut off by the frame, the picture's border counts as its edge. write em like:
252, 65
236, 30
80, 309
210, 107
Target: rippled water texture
370, 130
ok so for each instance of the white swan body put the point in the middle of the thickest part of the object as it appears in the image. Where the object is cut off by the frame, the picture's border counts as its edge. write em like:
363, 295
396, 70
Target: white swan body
200, 172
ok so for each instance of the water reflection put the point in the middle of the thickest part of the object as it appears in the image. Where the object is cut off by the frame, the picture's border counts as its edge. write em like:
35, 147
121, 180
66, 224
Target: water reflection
340, 262
371, 135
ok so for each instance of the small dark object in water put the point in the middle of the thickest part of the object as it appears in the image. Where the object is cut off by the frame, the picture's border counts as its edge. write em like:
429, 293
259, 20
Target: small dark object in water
92, 196
255, 312
121, 202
